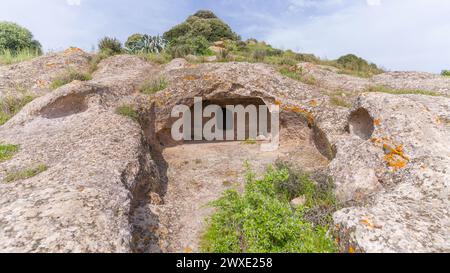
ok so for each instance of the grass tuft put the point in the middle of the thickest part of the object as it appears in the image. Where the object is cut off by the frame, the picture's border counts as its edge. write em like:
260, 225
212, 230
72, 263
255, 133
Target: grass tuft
9, 106
7, 57
297, 74
128, 111
69, 76
383, 89
25, 173
154, 85
261, 220
7, 151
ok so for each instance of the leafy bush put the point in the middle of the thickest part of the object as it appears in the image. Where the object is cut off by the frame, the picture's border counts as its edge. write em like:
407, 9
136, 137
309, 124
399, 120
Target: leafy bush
351, 63
25, 173
196, 34
154, 85
261, 219
69, 76
138, 43
128, 111
11, 105
445, 73
109, 45
15, 39
7, 151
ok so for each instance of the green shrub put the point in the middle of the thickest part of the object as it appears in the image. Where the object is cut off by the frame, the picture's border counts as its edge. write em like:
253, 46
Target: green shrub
25, 173
15, 39
7, 151
128, 111
111, 46
196, 34
354, 65
261, 220
259, 55
10, 105
69, 76
445, 73
133, 40
154, 85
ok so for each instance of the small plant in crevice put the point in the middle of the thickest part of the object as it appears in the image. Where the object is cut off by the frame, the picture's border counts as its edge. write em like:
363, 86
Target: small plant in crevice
128, 111
261, 219
7, 151
11, 105
25, 173
154, 85
339, 101
69, 76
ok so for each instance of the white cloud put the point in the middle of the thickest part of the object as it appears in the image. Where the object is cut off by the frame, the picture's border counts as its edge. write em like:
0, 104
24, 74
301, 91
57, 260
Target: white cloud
73, 2
399, 34
373, 2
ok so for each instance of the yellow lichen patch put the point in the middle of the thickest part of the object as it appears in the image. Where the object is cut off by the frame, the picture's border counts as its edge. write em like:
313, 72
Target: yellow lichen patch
395, 157
71, 50
189, 78
377, 122
351, 250
208, 77
309, 116
277, 102
376, 140
50, 65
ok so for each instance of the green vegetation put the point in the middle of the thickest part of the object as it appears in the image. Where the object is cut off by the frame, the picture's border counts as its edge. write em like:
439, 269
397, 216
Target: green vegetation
154, 85
383, 89
10, 105
9, 57
445, 73
15, 39
69, 76
25, 173
261, 219
297, 74
128, 111
138, 43
356, 66
338, 101
109, 45
249, 142
196, 34
7, 151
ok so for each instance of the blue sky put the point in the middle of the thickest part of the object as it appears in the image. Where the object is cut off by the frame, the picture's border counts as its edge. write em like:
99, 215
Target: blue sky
396, 34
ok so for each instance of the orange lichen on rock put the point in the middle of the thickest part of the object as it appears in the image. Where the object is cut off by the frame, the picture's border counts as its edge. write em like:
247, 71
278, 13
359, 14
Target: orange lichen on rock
189, 78
377, 122
313, 103
395, 157
71, 50
309, 116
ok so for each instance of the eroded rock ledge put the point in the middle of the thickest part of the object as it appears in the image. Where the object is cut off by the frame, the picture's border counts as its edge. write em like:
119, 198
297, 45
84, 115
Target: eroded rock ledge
389, 156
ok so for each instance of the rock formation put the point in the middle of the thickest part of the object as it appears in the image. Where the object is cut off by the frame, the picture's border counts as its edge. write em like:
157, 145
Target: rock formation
389, 154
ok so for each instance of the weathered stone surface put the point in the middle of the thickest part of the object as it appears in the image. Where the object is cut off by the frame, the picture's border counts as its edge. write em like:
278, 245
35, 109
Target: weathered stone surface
35, 76
401, 170
104, 187
98, 164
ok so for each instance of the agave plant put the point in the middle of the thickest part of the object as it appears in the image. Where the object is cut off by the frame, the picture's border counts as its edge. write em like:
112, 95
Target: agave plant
148, 44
